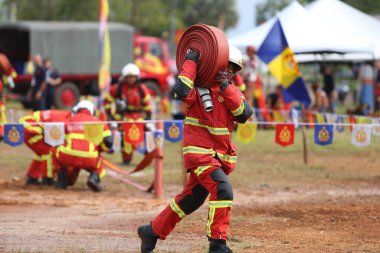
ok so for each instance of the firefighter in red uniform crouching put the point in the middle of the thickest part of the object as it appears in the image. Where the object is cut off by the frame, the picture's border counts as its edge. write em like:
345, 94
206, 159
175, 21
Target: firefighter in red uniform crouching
42, 165
208, 152
131, 100
78, 153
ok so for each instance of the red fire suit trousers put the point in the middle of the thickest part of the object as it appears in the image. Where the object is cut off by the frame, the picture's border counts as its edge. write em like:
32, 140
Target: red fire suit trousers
203, 180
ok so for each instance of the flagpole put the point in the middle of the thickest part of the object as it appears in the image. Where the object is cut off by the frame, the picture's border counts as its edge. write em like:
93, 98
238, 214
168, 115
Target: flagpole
303, 129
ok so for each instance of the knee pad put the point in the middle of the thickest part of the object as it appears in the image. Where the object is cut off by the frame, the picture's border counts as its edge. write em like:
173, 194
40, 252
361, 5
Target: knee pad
190, 203
224, 189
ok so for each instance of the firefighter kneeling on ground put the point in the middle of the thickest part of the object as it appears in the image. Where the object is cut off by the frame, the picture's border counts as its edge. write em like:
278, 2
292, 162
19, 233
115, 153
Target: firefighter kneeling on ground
43, 165
128, 100
208, 152
78, 153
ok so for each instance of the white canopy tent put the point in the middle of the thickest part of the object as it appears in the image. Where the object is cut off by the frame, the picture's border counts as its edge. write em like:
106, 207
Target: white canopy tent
305, 34
348, 20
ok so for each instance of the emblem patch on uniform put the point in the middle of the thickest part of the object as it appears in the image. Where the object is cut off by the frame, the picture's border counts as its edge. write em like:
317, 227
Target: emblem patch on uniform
220, 99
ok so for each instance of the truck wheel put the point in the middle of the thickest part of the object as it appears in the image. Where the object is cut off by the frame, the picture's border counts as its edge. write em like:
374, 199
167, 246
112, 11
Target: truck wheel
67, 95
153, 88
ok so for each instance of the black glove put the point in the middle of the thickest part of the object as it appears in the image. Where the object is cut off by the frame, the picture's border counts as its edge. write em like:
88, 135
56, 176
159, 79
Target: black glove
222, 79
192, 55
121, 105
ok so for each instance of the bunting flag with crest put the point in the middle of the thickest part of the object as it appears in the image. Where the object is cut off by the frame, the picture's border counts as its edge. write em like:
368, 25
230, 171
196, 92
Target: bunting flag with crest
94, 133
134, 133
278, 117
159, 139
361, 135
376, 127
13, 134
352, 120
320, 118
295, 117
331, 118
116, 146
246, 133
54, 133
323, 134
141, 148
339, 123
285, 134
173, 130
149, 141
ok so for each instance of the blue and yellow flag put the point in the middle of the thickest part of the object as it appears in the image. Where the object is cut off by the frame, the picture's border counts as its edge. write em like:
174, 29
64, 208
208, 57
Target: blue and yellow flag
323, 134
173, 130
13, 134
159, 139
276, 53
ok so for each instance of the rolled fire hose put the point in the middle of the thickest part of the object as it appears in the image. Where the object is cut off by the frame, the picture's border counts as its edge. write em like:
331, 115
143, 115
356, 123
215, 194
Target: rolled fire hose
212, 45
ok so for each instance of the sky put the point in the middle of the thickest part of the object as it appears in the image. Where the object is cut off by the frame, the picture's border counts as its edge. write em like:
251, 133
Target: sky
247, 16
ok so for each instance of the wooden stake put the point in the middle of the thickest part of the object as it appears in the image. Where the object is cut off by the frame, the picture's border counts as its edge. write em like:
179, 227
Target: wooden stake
303, 129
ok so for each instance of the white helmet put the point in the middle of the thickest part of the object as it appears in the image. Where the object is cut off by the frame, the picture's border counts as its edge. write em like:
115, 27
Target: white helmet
130, 70
85, 104
236, 57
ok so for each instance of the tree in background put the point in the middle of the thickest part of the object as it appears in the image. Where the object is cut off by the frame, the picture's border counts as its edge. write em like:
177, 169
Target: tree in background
150, 17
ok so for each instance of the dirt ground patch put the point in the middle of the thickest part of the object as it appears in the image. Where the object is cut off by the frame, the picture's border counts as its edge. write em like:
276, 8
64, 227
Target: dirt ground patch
280, 205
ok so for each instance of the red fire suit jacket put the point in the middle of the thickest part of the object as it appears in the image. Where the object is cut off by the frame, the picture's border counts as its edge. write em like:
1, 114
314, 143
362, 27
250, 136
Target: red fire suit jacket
207, 135
137, 98
77, 151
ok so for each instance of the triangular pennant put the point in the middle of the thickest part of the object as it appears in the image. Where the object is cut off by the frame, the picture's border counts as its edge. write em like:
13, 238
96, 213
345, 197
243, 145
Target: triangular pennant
173, 130
54, 133
361, 135
93, 133
13, 134
134, 133
246, 133
323, 134
285, 134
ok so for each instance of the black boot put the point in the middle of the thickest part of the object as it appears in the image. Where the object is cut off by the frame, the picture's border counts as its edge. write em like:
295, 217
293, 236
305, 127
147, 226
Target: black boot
218, 246
47, 181
62, 179
32, 181
148, 238
94, 182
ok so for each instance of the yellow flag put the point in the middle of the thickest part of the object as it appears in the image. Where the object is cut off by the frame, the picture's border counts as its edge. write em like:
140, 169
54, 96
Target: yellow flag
364, 120
246, 133
93, 133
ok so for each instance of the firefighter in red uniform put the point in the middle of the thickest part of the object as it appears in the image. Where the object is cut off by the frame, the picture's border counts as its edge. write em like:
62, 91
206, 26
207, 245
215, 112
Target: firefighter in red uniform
78, 153
132, 103
42, 165
209, 154
7, 73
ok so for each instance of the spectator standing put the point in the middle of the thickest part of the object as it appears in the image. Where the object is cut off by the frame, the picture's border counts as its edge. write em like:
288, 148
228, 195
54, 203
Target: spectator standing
52, 80
38, 84
366, 79
329, 86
